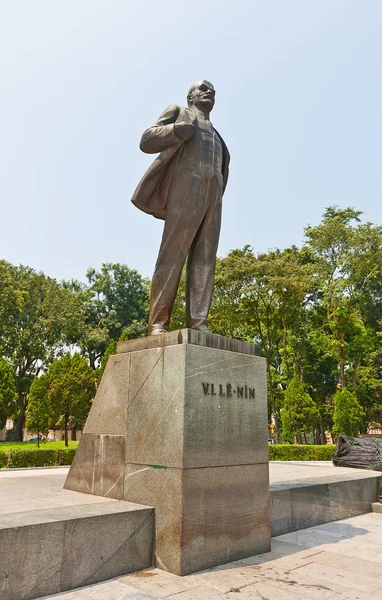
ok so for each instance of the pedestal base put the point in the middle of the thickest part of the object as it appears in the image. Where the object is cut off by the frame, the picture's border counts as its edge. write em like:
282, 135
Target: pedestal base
180, 423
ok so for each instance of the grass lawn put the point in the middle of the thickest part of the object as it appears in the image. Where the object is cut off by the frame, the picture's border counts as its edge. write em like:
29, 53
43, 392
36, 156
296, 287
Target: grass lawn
30, 445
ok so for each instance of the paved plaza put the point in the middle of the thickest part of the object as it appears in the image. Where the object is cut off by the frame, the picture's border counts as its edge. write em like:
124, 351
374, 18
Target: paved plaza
341, 560
25, 490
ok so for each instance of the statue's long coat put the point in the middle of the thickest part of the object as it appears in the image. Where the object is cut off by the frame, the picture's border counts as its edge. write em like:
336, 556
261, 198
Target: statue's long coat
152, 191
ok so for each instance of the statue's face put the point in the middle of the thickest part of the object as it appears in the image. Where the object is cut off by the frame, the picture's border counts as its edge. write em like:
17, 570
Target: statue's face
203, 95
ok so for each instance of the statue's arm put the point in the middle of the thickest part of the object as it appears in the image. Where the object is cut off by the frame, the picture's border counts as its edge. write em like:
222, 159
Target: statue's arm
162, 134
226, 161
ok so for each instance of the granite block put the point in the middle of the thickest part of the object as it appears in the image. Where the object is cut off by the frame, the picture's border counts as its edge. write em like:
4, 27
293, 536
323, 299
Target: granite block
50, 550
204, 517
310, 506
162, 489
123, 544
345, 499
369, 488
108, 411
193, 407
225, 409
156, 407
189, 336
30, 559
281, 511
98, 466
225, 515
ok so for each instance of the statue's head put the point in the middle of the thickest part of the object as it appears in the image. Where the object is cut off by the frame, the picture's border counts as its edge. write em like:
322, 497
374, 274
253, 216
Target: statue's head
201, 95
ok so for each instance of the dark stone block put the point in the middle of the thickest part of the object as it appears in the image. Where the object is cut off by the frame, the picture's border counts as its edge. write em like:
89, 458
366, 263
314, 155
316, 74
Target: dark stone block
345, 499
281, 511
310, 506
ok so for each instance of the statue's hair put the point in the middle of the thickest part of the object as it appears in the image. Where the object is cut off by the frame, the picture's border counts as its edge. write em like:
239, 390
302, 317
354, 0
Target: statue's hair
194, 86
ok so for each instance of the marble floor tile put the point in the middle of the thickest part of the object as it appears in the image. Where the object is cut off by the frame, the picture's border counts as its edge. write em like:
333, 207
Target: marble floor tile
357, 595
200, 593
291, 582
332, 574
225, 579
157, 582
108, 590
262, 591
349, 563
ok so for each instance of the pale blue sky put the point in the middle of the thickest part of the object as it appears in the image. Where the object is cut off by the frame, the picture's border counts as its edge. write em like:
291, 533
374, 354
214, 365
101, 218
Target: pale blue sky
298, 102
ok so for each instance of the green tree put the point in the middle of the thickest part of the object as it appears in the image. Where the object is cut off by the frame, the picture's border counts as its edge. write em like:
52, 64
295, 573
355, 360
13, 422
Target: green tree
114, 303
346, 317
39, 412
347, 258
37, 320
300, 413
348, 413
7, 392
71, 387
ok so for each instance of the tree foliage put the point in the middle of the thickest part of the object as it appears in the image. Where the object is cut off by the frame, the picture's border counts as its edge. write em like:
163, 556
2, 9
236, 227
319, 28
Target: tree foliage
299, 413
71, 389
7, 392
114, 303
39, 412
348, 413
62, 395
38, 319
314, 310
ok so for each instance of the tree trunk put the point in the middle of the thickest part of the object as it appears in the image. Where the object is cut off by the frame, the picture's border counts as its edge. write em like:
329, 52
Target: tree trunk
74, 433
322, 434
20, 419
342, 373
317, 435
66, 429
285, 332
341, 360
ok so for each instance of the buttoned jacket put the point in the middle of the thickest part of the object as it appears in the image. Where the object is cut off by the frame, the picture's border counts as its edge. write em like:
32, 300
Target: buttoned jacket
152, 191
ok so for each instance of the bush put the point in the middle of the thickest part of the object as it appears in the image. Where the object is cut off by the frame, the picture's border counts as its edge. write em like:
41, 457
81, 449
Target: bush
36, 457
348, 413
299, 412
300, 452
51, 457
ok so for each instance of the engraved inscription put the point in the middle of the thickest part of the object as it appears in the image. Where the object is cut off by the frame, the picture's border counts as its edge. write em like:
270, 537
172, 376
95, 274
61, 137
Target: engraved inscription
226, 389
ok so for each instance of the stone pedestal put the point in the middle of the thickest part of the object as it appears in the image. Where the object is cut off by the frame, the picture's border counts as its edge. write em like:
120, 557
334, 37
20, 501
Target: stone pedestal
180, 423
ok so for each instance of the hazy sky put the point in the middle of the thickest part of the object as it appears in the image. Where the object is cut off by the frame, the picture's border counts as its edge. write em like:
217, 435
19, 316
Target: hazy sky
298, 102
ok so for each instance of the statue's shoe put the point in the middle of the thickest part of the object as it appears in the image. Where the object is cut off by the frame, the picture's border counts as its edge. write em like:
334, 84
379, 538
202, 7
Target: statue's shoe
158, 331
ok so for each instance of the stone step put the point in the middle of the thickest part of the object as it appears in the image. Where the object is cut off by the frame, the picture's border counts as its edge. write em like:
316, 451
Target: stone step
376, 507
306, 503
51, 550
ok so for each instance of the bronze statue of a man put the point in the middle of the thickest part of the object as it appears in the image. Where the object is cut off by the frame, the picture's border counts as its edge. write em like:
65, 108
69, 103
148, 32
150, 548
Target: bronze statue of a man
184, 186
